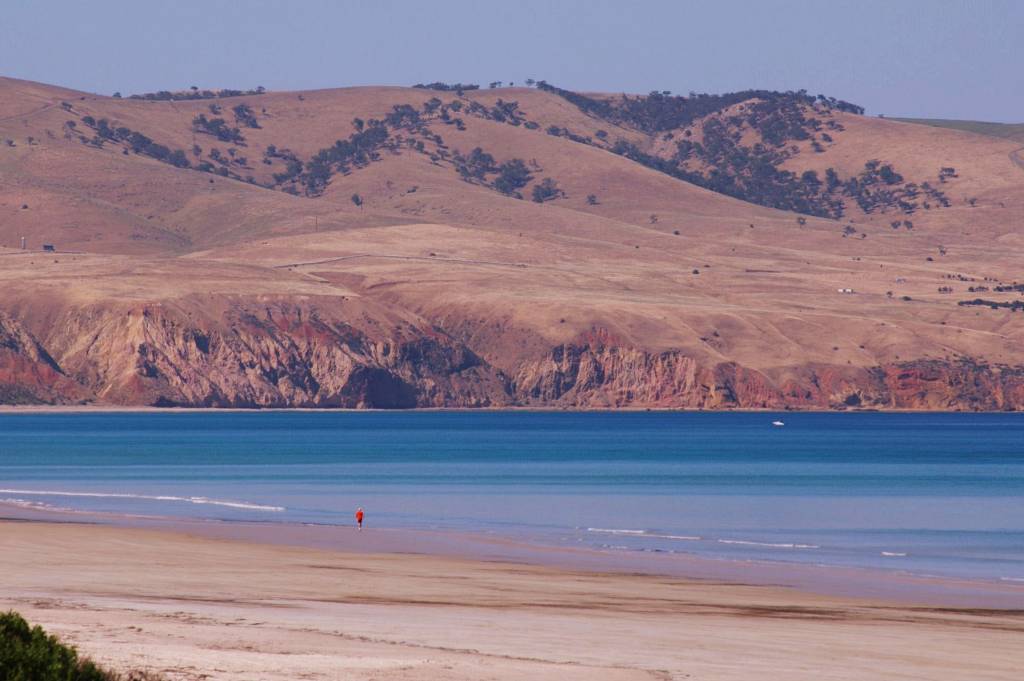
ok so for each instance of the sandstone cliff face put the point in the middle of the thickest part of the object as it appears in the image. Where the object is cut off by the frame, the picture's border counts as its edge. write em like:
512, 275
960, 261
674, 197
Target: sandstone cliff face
283, 354
932, 384
259, 355
596, 373
28, 375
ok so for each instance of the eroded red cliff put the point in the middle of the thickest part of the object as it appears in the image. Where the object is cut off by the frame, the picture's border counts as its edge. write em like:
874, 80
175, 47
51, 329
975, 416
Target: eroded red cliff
283, 354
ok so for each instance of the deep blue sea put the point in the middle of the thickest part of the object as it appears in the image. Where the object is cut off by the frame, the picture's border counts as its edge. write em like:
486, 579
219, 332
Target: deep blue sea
939, 494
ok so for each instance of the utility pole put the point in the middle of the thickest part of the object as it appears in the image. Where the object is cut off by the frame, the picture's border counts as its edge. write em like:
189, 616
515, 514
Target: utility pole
23, 243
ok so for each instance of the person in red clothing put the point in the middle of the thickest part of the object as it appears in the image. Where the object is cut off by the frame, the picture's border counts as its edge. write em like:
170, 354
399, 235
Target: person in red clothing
359, 518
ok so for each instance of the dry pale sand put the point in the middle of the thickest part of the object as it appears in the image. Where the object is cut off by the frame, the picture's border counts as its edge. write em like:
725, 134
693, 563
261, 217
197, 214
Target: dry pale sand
200, 608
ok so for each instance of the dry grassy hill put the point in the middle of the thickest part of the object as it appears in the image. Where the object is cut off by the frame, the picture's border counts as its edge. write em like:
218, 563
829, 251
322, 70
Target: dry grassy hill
398, 247
1011, 131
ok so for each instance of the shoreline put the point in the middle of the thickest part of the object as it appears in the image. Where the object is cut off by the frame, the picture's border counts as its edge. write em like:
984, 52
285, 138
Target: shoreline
192, 607
894, 586
149, 409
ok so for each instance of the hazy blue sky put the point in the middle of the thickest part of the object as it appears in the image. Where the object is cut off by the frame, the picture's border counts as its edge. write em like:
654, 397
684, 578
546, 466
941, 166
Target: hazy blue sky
937, 58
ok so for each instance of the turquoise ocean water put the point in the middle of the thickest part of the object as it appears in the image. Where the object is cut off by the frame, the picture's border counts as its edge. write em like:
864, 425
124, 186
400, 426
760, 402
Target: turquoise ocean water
937, 494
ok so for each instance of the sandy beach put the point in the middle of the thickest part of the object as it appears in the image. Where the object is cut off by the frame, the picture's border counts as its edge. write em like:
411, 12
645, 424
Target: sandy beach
192, 607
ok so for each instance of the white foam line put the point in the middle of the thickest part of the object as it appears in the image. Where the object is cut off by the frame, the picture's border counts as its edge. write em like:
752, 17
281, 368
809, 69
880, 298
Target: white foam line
643, 533
893, 554
112, 495
680, 537
684, 537
774, 546
34, 505
43, 506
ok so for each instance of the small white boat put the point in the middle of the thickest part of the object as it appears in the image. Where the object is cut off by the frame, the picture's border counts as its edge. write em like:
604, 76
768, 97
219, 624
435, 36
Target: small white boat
778, 424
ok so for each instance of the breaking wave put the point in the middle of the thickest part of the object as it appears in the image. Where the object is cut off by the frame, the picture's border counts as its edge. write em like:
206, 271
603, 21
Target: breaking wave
684, 537
146, 497
770, 545
34, 505
644, 533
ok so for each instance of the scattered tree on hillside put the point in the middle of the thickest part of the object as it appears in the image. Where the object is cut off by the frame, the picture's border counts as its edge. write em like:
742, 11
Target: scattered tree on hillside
135, 141
723, 162
217, 127
244, 115
832, 181
358, 201
360, 149
293, 169
402, 115
546, 190
513, 175
476, 166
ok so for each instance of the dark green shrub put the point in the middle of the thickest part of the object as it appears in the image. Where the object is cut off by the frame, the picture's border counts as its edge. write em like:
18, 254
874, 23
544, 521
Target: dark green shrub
28, 654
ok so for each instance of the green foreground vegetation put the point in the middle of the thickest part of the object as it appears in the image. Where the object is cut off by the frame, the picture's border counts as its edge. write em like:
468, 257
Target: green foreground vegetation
28, 653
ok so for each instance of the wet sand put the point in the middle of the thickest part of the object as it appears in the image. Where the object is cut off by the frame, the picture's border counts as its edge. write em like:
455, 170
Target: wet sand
829, 580
200, 607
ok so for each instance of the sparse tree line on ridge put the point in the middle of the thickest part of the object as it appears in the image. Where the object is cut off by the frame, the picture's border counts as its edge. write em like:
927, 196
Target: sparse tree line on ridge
720, 161
708, 133
193, 93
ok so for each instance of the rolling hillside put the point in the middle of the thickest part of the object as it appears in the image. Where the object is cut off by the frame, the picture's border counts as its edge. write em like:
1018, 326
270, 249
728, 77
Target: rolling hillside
400, 247
1010, 131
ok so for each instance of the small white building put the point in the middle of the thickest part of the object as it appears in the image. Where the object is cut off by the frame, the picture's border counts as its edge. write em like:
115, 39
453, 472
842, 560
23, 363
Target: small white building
844, 290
